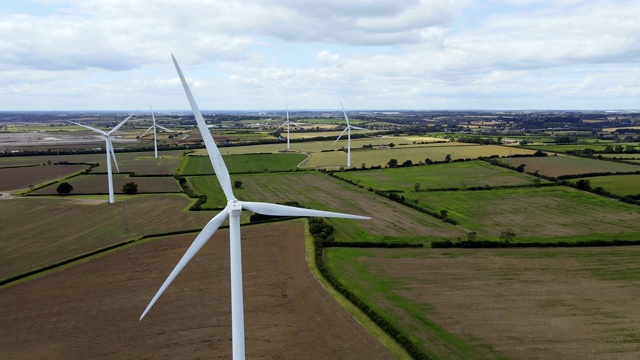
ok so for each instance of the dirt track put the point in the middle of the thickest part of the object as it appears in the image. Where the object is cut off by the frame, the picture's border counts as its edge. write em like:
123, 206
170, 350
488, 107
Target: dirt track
91, 311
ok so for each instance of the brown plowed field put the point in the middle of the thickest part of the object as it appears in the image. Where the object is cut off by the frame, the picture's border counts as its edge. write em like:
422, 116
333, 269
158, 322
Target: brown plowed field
91, 310
20, 178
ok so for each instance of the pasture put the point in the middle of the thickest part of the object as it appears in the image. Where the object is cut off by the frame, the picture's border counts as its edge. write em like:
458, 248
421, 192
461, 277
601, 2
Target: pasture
437, 176
249, 163
37, 231
495, 304
144, 163
568, 165
536, 214
91, 310
98, 184
616, 184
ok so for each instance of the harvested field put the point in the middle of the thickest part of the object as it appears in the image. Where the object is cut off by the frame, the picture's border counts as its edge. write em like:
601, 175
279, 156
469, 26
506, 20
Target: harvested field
23, 177
91, 310
575, 303
98, 184
569, 165
36, 231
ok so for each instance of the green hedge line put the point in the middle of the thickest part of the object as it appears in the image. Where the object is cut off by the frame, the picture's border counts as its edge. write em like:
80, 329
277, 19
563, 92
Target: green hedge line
488, 244
387, 327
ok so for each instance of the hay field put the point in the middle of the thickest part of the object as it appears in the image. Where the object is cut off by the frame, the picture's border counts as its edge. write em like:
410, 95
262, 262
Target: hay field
23, 177
91, 310
36, 231
575, 303
569, 165
616, 184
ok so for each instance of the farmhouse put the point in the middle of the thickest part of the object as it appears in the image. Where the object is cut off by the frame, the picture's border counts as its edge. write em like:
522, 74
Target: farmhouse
510, 141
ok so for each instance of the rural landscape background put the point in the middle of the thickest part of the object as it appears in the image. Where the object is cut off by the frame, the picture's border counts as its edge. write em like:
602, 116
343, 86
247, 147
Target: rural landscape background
494, 234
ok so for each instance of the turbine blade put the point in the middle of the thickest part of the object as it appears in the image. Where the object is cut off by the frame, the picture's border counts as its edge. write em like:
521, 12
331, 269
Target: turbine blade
113, 154
88, 127
145, 133
197, 244
284, 210
214, 154
281, 125
357, 128
339, 136
345, 113
153, 117
122, 123
164, 128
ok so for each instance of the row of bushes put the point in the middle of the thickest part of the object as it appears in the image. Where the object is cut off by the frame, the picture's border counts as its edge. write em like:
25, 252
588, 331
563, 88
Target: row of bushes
489, 244
318, 230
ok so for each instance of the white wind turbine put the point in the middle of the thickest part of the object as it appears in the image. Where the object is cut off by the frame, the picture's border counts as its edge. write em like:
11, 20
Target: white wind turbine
348, 130
287, 123
154, 126
232, 211
109, 148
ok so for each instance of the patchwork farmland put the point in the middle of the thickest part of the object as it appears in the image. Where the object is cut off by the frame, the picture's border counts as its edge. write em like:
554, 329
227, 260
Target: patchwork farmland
453, 303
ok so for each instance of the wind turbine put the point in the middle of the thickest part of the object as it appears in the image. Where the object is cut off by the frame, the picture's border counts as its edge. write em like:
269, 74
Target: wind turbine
232, 211
287, 123
348, 130
109, 146
154, 126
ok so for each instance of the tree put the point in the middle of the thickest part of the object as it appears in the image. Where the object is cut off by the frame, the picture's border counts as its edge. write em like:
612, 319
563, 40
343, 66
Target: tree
237, 184
130, 188
407, 163
393, 163
520, 168
447, 158
416, 187
507, 235
444, 214
583, 184
64, 189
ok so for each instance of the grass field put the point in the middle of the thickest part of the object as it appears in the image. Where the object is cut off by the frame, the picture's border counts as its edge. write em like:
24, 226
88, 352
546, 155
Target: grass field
537, 214
251, 163
569, 165
98, 184
438, 176
616, 184
494, 304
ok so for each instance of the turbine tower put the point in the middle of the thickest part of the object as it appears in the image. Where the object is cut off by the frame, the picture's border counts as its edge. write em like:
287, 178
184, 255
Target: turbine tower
109, 147
286, 123
154, 126
232, 211
348, 130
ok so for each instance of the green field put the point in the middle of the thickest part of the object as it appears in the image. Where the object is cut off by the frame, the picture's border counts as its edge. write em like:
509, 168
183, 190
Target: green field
438, 176
616, 184
536, 214
144, 163
568, 165
497, 304
251, 163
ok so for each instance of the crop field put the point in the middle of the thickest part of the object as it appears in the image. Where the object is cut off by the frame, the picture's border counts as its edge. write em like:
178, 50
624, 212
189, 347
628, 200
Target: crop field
390, 221
492, 304
23, 177
435, 152
144, 163
438, 176
98, 184
554, 213
250, 163
569, 165
616, 184
91, 310
209, 185
35, 232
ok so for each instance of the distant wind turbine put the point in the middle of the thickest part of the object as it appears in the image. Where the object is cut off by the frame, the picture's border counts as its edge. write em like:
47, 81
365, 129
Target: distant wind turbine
232, 211
154, 126
348, 130
287, 123
109, 150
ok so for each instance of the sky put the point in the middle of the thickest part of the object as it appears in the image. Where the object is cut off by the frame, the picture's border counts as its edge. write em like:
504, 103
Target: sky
310, 54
